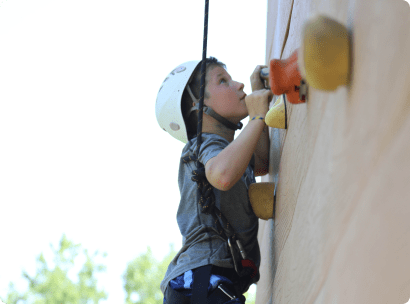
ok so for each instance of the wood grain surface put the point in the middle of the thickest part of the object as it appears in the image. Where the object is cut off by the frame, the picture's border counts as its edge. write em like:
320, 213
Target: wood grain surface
341, 232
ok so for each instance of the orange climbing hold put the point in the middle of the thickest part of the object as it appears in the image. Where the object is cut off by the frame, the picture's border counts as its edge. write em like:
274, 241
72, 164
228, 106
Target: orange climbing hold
285, 78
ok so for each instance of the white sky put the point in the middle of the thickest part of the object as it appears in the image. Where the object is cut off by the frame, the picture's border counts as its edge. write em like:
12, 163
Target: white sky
81, 152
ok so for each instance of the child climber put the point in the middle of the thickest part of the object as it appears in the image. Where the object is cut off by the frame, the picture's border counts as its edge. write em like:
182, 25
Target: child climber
205, 265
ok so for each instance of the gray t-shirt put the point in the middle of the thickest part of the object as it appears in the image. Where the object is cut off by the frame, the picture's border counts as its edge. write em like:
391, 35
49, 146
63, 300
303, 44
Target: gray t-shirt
201, 242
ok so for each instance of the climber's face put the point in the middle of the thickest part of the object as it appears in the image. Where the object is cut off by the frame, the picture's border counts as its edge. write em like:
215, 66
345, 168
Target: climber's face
226, 96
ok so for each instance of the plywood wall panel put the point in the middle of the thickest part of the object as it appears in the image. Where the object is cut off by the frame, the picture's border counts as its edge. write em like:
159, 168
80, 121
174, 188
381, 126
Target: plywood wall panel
278, 18
341, 231
265, 284
371, 262
277, 21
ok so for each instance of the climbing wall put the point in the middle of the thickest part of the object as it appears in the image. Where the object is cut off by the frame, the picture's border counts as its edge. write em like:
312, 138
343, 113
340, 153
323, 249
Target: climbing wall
341, 230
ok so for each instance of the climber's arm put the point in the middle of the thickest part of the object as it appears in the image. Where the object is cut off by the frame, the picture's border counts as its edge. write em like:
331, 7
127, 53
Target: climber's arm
262, 153
262, 147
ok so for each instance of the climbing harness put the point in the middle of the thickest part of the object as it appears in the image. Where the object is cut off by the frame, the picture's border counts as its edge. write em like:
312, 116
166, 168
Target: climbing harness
171, 119
220, 294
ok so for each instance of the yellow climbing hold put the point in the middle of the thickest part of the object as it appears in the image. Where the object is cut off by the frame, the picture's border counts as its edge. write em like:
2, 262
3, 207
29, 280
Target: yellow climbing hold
324, 59
261, 196
276, 116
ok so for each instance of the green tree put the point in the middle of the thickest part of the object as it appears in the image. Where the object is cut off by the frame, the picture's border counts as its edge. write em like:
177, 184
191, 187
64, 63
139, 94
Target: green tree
144, 274
250, 297
53, 286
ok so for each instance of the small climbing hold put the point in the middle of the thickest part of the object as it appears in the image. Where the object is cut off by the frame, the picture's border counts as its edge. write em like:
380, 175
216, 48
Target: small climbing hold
265, 77
261, 196
276, 116
324, 57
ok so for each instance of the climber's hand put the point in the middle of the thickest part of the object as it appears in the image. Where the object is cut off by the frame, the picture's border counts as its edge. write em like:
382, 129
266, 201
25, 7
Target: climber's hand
257, 83
258, 102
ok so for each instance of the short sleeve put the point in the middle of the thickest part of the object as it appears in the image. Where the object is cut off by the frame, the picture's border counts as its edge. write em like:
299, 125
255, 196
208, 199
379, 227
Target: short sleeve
211, 147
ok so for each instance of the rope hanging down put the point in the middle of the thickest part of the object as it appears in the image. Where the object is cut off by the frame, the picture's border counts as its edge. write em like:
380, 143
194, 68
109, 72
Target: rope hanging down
202, 88
206, 196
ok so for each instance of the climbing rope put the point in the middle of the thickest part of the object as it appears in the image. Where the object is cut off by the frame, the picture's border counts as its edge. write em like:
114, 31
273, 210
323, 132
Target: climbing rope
202, 87
205, 193
206, 196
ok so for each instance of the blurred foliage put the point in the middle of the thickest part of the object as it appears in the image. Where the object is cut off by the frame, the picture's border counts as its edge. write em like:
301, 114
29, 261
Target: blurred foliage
53, 286
250, 297
141, 279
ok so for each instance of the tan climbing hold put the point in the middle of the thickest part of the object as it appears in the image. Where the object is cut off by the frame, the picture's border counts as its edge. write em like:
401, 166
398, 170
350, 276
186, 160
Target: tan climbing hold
261, 196
324, 58
276, 116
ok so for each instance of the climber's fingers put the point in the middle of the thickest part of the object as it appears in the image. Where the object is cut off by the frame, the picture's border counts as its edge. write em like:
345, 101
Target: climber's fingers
257, 83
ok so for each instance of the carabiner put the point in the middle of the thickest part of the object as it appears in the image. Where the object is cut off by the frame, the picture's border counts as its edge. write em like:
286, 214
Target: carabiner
226, 292
241, 249
235, 262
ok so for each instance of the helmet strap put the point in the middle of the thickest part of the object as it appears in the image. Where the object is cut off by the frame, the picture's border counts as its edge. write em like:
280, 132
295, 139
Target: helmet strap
212, 113
222, 120
196, 101
208, 110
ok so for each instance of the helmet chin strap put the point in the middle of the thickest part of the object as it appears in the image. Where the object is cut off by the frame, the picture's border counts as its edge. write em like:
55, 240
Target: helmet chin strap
208, 110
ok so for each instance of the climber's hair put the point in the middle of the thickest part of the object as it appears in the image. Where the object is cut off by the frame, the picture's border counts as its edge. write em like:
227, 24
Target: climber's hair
195, 83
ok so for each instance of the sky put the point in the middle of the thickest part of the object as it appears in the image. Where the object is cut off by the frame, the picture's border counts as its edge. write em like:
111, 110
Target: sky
81, 152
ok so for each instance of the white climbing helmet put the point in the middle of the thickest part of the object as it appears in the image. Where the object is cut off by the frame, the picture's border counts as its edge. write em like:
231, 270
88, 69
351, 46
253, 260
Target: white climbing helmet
168, 105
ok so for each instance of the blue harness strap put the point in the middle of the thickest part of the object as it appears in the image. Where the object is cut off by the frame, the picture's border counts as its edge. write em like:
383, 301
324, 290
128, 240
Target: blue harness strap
201, 289
175, 297
201, 277
200, 285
